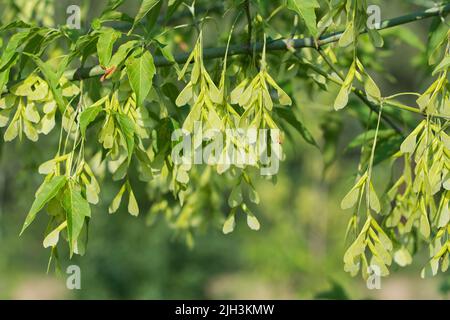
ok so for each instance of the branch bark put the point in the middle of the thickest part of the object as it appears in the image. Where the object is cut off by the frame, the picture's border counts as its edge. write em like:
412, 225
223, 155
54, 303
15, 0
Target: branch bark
276, 45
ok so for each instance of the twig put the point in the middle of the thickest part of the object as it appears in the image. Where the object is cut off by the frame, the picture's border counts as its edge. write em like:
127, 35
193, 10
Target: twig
359, 93
276, 45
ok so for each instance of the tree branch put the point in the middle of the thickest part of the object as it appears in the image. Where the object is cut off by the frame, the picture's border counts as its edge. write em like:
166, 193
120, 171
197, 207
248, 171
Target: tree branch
276, 45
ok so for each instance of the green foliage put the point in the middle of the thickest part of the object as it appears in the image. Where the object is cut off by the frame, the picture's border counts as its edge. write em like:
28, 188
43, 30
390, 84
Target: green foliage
306, 10
117, 119
140, 73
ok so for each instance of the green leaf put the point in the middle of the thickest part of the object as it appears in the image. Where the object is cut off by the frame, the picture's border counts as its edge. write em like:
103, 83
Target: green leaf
112, 5
140, 72
4, 117
409, 145
246, 96
172, 8
128, 129
253, 195
14, 24
373, 200
283, 97
193, 116
4, 77
230, 223
105, 45
289, 116
153, 16
252, 221
10, 52
306, 10
352, 197
372, 90
92, 193
424, 226
133, 207
376, 38
431, 269
445, 64
343, 96
182, 176
235, 198
77, 209
122, 53
121, 171
348, 36
47, 167
12, 131
53, 80
115, 204
88, 115
444, 216
33, 87
82, 241
185, 96
51, 240
47, 191
437, 37
387, 243
356, 249
31, 113
146, 7
30, 131
237, 92
402, 257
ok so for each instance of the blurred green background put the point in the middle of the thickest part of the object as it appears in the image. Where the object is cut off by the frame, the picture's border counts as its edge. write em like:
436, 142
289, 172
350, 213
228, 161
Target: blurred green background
297, 254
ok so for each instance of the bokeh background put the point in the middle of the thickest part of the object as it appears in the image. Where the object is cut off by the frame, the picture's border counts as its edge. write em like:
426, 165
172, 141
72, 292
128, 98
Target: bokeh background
298, 252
